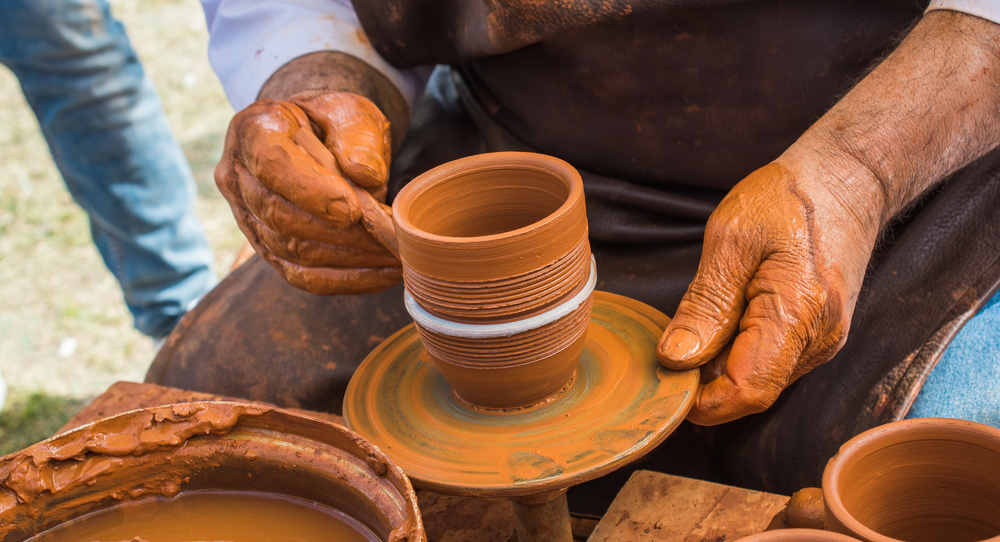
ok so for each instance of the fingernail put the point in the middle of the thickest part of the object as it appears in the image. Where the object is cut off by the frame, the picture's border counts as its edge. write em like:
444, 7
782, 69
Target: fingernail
370, 165
681, 345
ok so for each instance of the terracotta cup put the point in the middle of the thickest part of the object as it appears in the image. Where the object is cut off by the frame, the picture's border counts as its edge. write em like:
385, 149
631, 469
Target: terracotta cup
162, 451
919, 480
798, 535
494, 239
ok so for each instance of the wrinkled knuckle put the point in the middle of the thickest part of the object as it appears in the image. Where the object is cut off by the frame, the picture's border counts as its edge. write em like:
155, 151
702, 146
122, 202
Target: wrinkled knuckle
757, 400
707, 303
724, 225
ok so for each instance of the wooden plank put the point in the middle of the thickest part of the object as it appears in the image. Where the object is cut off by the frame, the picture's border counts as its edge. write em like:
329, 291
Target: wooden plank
659, 507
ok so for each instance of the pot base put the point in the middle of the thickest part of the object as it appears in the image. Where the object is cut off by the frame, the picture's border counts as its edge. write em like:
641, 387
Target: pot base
622, 404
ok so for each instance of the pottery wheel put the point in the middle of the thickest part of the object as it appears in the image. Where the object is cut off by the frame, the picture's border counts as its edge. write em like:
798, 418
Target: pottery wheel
620, 405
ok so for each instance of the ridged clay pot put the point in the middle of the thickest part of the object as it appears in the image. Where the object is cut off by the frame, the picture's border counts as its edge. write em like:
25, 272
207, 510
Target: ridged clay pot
918, 480
162, 451
496, 239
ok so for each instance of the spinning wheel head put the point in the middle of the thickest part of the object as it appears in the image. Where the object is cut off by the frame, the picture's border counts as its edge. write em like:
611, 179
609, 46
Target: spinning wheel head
620, 404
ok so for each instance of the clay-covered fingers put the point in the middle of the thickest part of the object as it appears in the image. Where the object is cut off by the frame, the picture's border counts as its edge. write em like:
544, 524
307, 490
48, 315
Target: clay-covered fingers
322, 280
291, 199
778, 279
786, 331
270, 155
310, 253
710, 310
338, 281
282, 216
356, 131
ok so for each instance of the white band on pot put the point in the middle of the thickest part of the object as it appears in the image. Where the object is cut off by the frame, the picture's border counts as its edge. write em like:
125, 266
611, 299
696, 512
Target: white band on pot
439, 325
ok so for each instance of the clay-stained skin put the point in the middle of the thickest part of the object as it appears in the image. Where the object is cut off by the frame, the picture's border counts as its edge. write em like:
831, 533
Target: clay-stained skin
61, 464
780, 273
296, 174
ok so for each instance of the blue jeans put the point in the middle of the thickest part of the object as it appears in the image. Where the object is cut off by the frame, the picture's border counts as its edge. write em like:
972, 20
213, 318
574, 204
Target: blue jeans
109, 137
966, 381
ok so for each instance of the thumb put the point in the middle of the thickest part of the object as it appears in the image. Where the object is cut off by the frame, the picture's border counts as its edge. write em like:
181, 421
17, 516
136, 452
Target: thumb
357, 132
710, 311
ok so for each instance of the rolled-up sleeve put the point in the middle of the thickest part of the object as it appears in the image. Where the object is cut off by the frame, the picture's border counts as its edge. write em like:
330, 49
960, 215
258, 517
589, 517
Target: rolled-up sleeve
250, 39
985, 9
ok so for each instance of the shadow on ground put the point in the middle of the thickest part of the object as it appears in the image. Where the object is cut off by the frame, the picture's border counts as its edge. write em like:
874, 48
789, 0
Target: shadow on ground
31, 418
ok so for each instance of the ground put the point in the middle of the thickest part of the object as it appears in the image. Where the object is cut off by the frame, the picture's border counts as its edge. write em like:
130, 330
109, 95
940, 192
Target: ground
65, 333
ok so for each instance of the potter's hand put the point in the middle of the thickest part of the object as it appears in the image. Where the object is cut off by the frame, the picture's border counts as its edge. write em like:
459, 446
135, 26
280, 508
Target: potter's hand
785, 252
782, 265
294, 199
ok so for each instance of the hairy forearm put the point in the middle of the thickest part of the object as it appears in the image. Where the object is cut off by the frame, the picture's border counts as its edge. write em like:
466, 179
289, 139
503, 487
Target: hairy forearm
926, 111
341, 72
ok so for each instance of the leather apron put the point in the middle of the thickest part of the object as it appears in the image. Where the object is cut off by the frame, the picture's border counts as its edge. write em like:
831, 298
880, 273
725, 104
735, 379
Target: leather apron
663, 106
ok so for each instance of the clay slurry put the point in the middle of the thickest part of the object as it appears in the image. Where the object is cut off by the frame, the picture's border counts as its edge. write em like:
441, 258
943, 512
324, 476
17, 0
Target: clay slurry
213, 515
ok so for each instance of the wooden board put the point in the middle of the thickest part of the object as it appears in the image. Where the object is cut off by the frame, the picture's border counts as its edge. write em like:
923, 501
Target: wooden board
659, 507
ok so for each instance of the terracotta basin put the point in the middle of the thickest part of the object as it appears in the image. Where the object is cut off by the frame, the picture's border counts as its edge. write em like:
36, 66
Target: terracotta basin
497, 239
798, 535
163, 451
920, 480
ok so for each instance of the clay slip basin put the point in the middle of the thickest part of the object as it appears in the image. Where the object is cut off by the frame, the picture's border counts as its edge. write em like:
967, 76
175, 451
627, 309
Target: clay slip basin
187, 451
490, 244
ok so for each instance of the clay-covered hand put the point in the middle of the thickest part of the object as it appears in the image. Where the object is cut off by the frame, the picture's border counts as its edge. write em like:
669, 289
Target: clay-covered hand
783, 262
299, 204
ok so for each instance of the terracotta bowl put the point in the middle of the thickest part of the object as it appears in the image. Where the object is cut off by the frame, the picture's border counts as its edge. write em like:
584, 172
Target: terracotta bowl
920, 480
493, 239
162, 451
798, 535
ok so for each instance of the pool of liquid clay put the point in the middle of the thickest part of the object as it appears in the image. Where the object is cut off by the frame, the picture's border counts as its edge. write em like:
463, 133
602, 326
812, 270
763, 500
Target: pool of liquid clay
213, 516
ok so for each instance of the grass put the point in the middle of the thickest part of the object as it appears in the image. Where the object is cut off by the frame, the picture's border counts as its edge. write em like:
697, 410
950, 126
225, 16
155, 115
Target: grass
53, 284
33, 417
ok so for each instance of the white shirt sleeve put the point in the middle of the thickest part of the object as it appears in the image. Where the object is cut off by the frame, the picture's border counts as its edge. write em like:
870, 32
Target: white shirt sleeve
986, 9
250, 39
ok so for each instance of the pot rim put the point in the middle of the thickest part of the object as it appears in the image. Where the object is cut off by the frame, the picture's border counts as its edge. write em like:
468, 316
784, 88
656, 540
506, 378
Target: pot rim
930, 428
477, 163
794, 535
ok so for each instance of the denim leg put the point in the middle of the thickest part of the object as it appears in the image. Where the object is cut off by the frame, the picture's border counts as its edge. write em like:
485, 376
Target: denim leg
109, 137
966, 381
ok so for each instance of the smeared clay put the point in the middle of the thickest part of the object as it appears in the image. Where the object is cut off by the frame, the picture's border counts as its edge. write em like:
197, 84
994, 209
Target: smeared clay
305, 178
61, 464
204, 446
498, 238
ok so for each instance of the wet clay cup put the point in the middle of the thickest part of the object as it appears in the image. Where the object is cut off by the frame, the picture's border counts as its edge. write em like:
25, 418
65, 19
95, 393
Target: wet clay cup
919, 480
164, 451
498, 273
798, 535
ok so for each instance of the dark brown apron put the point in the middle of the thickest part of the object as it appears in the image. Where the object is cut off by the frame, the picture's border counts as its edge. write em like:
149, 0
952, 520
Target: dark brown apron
663, 106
